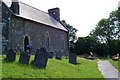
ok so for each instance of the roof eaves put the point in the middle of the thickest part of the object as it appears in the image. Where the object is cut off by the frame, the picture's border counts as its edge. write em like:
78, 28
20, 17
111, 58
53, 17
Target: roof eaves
39, 22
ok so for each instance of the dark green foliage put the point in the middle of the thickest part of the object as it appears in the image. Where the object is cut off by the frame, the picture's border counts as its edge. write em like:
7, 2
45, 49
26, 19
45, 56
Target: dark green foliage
104, 40
107, 34
10, 56
72, 31
72, 35
85, 45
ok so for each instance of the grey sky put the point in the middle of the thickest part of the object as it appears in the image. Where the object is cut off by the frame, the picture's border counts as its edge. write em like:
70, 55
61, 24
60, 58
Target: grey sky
81, 14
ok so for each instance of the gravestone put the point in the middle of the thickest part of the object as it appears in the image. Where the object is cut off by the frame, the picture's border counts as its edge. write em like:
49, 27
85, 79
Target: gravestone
10, 56
72, 58
51, 54
24, 57
41, 58
59, 55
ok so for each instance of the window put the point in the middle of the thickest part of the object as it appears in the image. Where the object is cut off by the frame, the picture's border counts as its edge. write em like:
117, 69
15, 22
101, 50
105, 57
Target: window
47, 40
62, 42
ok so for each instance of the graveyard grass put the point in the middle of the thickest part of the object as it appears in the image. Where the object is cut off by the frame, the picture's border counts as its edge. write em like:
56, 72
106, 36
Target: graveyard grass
55, 69
116, 64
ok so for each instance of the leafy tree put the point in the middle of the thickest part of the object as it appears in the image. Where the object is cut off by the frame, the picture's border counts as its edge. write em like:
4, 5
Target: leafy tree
72, 34
114, 21
85, 45
107, 32
72, 31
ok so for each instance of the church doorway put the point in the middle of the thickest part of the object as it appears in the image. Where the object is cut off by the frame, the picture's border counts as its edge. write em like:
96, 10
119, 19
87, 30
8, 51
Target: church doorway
26, 42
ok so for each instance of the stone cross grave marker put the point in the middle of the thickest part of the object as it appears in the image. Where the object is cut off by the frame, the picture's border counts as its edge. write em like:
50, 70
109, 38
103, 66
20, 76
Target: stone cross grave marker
41, 58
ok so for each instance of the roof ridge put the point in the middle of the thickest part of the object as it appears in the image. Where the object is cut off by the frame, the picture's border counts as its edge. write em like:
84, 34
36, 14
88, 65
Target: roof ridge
33, 7
44, 19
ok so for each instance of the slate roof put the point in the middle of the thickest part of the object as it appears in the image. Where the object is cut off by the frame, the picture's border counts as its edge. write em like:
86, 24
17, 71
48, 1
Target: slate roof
34, 14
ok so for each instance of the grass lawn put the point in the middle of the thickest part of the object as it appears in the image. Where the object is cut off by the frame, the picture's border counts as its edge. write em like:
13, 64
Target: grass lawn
55, 69
116, 64
0, 66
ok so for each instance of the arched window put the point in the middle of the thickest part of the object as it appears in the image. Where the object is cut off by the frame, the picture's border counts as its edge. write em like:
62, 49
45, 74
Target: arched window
47, 40
26, 42
62, 42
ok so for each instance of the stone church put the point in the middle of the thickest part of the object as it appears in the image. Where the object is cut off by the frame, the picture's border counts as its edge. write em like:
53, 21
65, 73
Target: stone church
24, 25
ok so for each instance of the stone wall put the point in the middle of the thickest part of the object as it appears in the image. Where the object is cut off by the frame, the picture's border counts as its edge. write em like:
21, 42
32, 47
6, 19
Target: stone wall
37, 34
0, 29
6, 15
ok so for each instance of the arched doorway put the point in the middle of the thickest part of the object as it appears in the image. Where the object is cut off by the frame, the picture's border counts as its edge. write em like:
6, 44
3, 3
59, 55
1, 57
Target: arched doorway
26, 42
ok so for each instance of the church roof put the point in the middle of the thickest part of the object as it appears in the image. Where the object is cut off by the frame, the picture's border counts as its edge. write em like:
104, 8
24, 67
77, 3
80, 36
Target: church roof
34, 14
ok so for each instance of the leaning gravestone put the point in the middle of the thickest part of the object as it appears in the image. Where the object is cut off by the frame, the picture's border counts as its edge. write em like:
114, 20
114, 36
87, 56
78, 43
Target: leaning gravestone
24, 57
59, 55
41, 58
72, 58
10, 56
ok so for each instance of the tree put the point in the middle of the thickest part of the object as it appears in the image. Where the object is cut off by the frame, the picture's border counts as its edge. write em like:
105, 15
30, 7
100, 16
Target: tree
106, 31
72, 34
85, 45
104, 39
114, 20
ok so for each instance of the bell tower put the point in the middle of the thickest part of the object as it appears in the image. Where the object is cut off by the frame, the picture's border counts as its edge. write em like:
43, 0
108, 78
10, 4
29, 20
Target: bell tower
55, 13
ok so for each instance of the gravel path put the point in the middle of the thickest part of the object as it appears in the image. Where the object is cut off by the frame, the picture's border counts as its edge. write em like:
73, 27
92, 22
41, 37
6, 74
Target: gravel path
108, 71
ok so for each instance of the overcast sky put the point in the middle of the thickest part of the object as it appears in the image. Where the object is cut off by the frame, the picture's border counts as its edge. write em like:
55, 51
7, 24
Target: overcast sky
81, 14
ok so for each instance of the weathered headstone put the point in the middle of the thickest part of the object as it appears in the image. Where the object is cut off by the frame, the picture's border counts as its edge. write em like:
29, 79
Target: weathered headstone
51, 54
10, 55
41, 58
24, 57
72, 58
59, 55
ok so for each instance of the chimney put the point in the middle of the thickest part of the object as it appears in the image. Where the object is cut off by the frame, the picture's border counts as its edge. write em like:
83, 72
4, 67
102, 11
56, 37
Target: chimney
55, 13
15, 6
